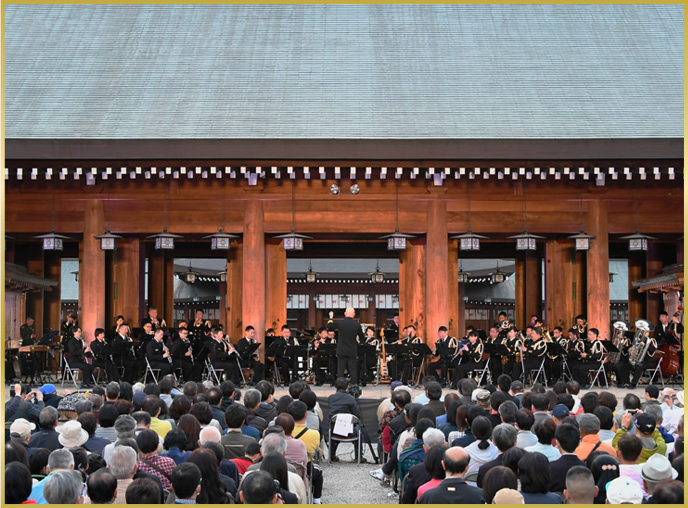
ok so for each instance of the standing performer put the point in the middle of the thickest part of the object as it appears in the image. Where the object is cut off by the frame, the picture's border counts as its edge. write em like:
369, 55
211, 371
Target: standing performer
324, 364
77, 348
495, 360
158, 354
511, 363
200, 333
182, 356
366, 372
349, 332
102, 355
153, 319
67, 328
395, 326
248, 359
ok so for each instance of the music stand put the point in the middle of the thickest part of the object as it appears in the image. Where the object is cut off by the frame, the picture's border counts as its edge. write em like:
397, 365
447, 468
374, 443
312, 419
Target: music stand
295, 353
391, 333
423, 350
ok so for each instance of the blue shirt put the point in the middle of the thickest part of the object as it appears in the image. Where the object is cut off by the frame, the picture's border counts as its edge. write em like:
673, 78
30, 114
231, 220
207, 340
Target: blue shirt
247, 430
440, 420
37, 491
178, 456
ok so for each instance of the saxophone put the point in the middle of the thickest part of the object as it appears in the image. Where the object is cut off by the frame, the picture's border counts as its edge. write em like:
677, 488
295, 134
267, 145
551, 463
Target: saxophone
639, 348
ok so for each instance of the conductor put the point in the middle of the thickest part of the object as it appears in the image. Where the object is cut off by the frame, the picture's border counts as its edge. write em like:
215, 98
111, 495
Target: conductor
350, 332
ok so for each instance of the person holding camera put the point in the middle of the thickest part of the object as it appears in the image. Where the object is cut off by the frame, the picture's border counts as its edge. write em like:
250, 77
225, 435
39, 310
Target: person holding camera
646, 429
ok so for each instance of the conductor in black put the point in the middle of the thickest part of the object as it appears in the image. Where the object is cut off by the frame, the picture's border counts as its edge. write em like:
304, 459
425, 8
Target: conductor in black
350, 333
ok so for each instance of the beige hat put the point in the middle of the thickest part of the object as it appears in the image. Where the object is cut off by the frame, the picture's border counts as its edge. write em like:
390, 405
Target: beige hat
72, 435
508, 496
480, 394
21, 427
623, 490
657, 468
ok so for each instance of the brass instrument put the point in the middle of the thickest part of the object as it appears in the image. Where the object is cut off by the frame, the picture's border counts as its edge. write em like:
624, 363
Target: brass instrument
640, 345
581, 328
619, 340
546, 335
452, 342
478, 353
416, 340
537, 349
579, 346
518, 347
504, 324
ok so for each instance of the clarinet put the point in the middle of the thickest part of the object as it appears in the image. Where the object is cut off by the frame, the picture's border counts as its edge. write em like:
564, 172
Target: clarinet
169, 357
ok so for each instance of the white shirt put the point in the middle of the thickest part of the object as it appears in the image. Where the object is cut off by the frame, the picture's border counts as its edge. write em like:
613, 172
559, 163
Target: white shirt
671, 418
525, 438
480, 457
548, 451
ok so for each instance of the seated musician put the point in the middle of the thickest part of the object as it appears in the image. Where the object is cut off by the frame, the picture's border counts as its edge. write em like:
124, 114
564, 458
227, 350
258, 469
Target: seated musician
77, 360
554, 366
367, 372
182, 356
469, 358
223, 355
589, 358
622, 367
158, 354
110, 334
576, 347
248, 359
144, 338
124, 353
511, 366
153, 319
400, 358
442, 353
102, 355
646, 362
324, 364
533, 351
279, 360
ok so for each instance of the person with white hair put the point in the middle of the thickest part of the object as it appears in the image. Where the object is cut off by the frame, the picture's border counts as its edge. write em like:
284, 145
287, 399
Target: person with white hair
58, 459
64, 487
209, 434
671, 410
123, 464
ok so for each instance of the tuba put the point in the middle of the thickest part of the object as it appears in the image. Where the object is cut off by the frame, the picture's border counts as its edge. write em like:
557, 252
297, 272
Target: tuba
619, 340
639, 347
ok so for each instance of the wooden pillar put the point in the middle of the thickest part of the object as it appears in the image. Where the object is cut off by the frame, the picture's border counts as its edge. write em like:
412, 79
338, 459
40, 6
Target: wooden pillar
579, 287
654, 266
405, 277
276, 285
234, 284
418, 316
461, 323
51, 299
126, 280
528, 287
560, 257
34, 300
637, 305
167, 310
157, 279
453, 288
436, 271
92, 271
253, 285
597, 279
312, 308
679, 252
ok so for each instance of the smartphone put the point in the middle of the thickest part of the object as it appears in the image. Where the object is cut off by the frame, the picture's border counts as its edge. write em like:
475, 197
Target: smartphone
632, 411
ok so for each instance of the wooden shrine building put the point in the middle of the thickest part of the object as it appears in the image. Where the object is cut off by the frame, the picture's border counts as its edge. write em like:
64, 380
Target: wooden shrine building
432, 120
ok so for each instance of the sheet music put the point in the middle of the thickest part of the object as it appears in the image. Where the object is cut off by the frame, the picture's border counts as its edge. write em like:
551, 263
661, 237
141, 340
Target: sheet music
343, 425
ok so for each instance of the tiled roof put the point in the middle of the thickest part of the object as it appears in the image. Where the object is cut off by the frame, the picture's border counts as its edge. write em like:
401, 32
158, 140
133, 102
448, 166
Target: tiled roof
343, 71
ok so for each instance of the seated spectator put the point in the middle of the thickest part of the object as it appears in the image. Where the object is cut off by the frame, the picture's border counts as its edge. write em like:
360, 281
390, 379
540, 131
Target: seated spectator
652, 440
651, 397
234, 440
604, 469
448, 399
123, 465
629, 448
655, 410
186, 482
482, 450
524, 423
450, 424
215, 403
180, 406
503, 385
38, 463
106, 422
276, 465
95, 462
511, 457
580, 486
64, 487
568, 438
58, 459
213, 490
516, 390
504, 437
259, 488
176, 444
545, 430
559, 412
313, 421
533, 472
453, 489
590, 439
496, 479
143, 491
608, 400
540, 406
656, 469
19, 477
102, 487
461, 423
606, 417
473, 412
669, 492
47, 436
415, 453
630, 403
251, 456
150, 461
671, 410
190, 425
433, 391
507, 412
296, 449
152, 405
432, 465
624, 491
229, 475
125, 427
496, 400
94, 444
677, 464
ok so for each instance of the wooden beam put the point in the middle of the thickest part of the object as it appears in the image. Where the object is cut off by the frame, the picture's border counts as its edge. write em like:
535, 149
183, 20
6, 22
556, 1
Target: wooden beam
52, 299
559, 288
637, 303
92, 271
597, 279
253, 285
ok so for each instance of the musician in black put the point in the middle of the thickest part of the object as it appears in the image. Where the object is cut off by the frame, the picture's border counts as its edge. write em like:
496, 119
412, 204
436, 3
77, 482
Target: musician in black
589, 358
512, 365
144, 338
494, 337
110, 334
442, 353
576, 347
470, 358
647, 361
554, 366
324, 364
200, 333
102, 355
248, 359
152, 318
124, 354
279, 360
158, 354
77, 360
622, 367
367, 372
182, 356
27, 332
667, 327
28, 362
67, 328
400, 358
581, 326
224, 355
535, 350
395, 326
